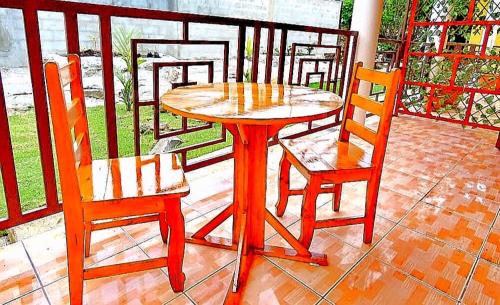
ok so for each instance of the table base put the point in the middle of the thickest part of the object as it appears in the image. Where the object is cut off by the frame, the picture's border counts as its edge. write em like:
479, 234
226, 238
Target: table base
250, 182
246, 254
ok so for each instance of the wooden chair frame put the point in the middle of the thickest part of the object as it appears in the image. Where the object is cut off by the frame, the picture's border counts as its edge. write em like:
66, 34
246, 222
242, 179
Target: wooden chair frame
316, 180
81, 212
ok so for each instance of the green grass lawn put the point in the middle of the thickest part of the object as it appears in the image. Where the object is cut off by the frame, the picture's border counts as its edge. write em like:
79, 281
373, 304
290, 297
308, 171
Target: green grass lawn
27, 155
315, 85
376, 88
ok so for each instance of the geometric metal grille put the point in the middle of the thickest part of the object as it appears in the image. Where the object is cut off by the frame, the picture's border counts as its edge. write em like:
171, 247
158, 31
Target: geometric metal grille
333, 66
185, 127
451, 62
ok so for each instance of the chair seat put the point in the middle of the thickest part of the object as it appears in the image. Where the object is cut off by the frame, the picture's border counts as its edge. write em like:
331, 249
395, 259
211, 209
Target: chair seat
327, 154
132, 177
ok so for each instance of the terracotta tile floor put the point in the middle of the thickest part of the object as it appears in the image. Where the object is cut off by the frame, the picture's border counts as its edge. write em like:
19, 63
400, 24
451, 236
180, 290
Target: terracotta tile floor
437, 237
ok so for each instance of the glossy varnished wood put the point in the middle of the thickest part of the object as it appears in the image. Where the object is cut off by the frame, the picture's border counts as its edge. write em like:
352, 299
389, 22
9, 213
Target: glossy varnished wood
327, 154
331, 161
251, 103
253, 113
132, 177
146, 188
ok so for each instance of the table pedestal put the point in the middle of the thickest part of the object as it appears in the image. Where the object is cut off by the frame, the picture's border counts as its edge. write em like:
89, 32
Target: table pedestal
249, 210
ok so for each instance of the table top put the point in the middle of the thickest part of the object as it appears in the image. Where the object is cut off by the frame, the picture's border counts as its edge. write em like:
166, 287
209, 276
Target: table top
251, 103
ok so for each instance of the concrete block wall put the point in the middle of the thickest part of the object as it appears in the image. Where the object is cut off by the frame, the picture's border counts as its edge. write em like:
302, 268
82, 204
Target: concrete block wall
324, 13
12, 39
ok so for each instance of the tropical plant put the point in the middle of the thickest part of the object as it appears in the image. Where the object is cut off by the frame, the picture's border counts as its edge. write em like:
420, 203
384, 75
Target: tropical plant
451, 9
248, 56
248, 75
346, 14
393, 18
121, 45
125, 93
249, 48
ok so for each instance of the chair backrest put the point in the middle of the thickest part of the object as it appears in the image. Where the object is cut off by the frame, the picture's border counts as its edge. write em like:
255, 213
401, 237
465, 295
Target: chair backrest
70, 127
384, 110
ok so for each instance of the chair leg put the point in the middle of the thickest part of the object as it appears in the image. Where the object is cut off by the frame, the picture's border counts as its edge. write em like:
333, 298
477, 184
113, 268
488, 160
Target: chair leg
370, 209
337, 194
284, 185
88, 234
311, 193
163, 226
75, 251
175, 221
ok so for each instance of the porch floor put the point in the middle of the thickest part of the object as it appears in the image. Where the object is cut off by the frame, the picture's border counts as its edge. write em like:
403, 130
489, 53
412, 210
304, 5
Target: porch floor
437, 237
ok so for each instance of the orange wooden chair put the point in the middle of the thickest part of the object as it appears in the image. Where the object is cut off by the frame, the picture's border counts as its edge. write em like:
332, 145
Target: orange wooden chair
326, 161
101, 194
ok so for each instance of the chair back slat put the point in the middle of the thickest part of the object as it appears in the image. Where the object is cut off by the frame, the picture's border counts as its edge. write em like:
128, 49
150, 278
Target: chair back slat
67, 75
361, 131
70, 124
75, 113
78, 152
367, 104
384, 110
78, 149
374, 76
78, 140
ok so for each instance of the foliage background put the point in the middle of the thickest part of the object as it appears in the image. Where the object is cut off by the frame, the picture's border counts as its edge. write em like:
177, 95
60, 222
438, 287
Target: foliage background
392, 17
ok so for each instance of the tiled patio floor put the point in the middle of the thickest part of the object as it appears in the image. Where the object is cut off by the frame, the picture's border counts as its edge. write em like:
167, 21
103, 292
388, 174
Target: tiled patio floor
437, 237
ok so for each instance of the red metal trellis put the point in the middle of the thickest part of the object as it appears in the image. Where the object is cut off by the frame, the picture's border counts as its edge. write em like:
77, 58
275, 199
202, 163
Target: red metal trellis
447, 76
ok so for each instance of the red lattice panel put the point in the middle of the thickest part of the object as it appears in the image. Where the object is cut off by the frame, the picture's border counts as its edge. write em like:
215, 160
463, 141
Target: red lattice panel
446, 76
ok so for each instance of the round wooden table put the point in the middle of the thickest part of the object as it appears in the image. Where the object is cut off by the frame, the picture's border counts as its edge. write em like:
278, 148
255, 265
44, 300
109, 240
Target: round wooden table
253, 113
